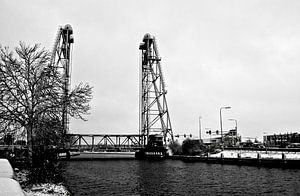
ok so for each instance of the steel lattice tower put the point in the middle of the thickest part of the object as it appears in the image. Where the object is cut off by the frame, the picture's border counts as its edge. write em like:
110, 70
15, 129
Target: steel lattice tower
154, 114
60, 64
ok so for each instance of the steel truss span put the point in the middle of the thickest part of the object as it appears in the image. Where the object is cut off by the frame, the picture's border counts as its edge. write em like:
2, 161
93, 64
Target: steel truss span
98, 142
154, 113
60, 64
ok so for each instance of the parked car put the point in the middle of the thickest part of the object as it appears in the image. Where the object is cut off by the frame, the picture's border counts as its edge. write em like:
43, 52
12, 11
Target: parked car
293, 145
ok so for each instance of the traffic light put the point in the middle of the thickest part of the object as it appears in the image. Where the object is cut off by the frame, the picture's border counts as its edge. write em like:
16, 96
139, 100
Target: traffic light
190, 135
217, 132
184, 135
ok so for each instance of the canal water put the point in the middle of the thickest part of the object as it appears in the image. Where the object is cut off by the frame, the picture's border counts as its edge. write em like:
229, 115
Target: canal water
174, 177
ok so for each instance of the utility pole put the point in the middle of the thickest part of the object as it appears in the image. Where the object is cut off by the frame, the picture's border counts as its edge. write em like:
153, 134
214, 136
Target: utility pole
200, 128
221, 126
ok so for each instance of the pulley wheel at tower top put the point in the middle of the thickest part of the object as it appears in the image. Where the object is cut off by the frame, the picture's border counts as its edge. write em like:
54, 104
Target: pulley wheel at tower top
147, 36
68, 27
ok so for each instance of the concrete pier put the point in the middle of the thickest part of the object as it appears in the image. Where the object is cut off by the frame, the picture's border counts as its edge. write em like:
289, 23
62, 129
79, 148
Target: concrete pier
8, 186
260, 159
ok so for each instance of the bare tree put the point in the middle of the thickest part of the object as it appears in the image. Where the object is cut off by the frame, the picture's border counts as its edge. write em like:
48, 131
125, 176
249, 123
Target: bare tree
31, 91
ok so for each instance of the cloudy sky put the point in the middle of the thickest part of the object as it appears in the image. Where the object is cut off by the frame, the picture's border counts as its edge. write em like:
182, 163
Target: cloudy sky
243, 54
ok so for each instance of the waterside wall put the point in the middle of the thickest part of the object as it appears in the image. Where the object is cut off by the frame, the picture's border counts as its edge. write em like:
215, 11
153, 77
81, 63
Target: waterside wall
282, 162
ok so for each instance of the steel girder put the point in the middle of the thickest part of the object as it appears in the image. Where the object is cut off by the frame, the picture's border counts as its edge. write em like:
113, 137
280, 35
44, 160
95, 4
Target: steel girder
96, 142
60, 64
154, 113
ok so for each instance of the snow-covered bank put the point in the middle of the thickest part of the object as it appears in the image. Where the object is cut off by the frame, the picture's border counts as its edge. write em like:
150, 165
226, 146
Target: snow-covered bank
254, 154
46, 189
43, 189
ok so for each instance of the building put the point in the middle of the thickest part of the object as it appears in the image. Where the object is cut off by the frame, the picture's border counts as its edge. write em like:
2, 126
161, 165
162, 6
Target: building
214, 140
281, 140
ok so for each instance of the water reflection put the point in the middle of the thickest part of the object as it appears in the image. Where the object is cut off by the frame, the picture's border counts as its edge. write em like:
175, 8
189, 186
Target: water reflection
170, 177
158, 177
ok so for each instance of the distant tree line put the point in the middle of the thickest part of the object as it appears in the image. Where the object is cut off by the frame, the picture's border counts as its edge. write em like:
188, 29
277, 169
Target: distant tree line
192, 147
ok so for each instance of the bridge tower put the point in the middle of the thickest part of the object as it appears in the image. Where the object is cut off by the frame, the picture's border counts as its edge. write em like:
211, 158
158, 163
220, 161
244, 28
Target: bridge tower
60, 64
154, 114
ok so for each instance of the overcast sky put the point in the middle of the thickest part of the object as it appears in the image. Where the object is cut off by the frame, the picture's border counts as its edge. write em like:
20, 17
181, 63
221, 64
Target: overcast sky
243, 54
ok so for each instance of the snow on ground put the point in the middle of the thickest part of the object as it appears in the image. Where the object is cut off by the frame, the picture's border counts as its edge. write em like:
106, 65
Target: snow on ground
254, 154
47, 189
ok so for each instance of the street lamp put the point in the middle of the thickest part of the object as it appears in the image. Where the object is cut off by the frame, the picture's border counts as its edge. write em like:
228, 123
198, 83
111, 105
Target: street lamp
221, 126
200, 128
231, 119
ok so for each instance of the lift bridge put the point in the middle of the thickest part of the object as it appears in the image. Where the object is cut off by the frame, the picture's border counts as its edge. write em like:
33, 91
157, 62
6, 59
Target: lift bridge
154, 118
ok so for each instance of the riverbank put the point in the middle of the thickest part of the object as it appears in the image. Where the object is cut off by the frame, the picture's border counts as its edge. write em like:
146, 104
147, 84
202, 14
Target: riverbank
248, 157
285, 158
47, 189
42, 189
98, 155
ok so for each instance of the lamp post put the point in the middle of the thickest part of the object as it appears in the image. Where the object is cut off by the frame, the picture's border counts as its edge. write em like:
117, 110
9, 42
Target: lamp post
231, 119
200, 128
221, 126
